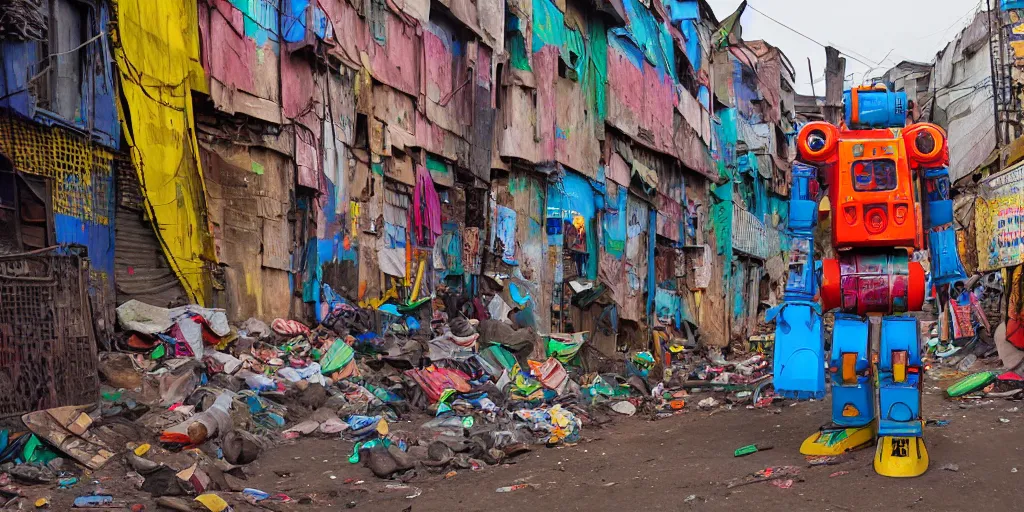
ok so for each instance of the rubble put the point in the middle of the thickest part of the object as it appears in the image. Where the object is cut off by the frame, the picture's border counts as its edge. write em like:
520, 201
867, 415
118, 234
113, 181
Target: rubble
208, 398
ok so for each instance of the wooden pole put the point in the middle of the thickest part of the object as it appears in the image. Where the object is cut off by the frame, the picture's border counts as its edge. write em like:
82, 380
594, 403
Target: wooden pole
810, 74
835, 70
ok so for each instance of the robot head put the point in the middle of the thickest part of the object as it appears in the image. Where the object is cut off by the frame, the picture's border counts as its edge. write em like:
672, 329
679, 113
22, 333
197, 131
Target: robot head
872, 107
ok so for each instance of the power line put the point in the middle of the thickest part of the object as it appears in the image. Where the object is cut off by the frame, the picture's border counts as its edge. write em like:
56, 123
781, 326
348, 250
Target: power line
801, 34
851, 52
961, 18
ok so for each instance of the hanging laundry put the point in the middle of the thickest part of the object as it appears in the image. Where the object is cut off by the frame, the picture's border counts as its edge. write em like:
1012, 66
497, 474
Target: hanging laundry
426, 214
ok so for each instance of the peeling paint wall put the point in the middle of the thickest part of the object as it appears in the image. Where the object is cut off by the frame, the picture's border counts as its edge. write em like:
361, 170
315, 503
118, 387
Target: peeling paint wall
287, 152
58, 122
750, 141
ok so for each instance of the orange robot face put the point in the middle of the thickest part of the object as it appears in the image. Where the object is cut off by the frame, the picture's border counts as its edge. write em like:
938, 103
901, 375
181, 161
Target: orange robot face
870, 180
873, 194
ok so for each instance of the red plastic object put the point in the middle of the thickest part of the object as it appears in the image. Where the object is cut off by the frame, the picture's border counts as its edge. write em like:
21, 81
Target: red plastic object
831, 294
915, 295
1015, 332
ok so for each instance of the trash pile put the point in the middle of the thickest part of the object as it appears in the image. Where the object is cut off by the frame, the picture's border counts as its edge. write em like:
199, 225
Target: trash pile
966, 325
189, 400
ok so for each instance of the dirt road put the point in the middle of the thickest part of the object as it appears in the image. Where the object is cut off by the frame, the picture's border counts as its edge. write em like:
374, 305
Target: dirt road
683, 463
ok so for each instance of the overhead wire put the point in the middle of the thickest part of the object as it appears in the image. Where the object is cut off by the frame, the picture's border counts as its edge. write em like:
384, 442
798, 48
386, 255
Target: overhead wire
961, 18
854, 55
801, 34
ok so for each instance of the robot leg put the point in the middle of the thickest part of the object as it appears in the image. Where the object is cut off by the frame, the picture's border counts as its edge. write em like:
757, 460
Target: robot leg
853, 411
901, 451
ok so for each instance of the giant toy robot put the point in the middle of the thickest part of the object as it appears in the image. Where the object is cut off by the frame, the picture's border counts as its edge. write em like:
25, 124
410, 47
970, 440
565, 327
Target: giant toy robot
888, 187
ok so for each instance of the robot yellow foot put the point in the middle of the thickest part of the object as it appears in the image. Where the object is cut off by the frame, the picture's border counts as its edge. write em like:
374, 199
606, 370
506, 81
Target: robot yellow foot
836, 441
901, 456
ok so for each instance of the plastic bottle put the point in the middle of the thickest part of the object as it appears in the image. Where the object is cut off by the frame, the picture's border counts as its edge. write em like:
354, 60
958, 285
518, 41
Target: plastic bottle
212, 422
260, 382
289, 374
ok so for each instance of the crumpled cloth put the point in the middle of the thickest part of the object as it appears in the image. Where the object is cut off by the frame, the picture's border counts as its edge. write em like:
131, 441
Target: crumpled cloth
148, 319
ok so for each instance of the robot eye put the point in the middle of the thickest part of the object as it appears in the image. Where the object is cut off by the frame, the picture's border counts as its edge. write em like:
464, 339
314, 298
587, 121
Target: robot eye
925, 142
816, 140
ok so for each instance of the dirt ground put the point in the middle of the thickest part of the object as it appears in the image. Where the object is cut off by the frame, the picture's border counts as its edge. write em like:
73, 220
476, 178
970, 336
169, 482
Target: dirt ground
684, 462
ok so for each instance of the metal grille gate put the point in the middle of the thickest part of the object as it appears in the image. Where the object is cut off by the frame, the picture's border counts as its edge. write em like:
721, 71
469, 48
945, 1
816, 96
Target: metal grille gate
47, 344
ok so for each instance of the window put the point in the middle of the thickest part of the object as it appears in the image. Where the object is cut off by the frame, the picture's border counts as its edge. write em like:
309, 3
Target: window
687, 75
9, 242
25, 220
61, 68
873, 175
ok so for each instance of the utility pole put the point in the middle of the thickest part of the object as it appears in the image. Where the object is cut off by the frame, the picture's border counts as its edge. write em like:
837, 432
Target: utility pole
835, 71
992, 56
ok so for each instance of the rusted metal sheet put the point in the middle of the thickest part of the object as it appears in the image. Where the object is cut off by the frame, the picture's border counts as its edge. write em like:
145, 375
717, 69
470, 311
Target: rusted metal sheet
576, 136
519, 129
449, 81
528, 199
691, 110
299, 92
141, 270
47, 344
636, 259
640, 102
402, 170
248, 194
669, 215
693, 152
342, 108
276, 237
66, 74
545, 70
492, 23
419, 9
242, 65
711, 317
394, 108
482, 134
396, 63
439, 141
611, 269
306, 160
350, 32
769, 77
618, 170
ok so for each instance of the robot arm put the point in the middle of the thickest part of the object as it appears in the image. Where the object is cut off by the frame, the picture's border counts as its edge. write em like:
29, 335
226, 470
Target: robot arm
799, 336
927, 148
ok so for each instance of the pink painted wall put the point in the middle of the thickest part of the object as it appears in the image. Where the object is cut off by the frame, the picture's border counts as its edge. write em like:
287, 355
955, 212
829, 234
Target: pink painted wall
396, 63
232, 54
640, 101
449, 94
545, 70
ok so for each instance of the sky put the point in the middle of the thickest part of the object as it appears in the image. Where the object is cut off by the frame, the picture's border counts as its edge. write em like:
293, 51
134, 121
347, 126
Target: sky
879, 32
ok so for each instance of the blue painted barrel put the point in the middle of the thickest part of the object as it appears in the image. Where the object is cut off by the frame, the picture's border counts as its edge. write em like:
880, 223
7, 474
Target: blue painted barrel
876, 108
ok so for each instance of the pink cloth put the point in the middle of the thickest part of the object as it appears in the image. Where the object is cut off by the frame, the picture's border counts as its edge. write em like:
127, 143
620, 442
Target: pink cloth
426, 208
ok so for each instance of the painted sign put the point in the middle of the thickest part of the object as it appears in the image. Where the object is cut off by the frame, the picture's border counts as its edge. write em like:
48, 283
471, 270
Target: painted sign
999, 215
